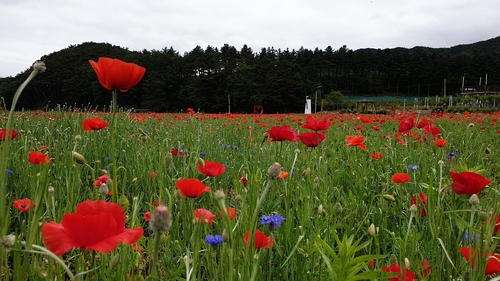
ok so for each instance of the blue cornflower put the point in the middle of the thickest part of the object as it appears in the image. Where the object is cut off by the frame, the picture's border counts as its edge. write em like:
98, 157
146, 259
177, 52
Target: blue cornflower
466, 237
413, 167
273, 221
9, 172
214, 240
203, 154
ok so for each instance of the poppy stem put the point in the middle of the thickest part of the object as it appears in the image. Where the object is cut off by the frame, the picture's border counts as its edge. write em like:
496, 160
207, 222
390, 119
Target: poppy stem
5, 151
44, 251
156, 252
114, 197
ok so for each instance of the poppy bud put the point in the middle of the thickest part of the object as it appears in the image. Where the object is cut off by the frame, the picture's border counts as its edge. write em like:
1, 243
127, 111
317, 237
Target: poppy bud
8, 241
169, 158
114, 262
274, 170
389, 197
372, 231
483, 215
39, 66
201, 162
103, 189
220, 195
316, 180
337, 209
123, 202
225, 236
413, 208
78, 138
321, 210
78, 158
297, 151
51, 190
160, 220
474, 200
306, 172
407, 263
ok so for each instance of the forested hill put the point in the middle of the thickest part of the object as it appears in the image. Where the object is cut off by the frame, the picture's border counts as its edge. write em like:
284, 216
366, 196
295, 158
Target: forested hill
279, 80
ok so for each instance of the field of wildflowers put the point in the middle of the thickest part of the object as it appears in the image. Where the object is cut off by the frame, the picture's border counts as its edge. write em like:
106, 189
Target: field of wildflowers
90, 195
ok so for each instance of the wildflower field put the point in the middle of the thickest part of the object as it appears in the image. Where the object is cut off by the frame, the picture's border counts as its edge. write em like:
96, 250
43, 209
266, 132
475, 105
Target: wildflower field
90, 195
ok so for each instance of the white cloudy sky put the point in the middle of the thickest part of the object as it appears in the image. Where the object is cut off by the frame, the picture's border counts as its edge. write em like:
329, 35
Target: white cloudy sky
30, 29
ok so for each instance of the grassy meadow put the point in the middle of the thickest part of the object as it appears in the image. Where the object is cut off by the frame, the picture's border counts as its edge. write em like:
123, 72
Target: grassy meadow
345, 216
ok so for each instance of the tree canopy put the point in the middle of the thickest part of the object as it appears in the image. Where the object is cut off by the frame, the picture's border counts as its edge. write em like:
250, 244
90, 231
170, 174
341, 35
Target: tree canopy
207, 79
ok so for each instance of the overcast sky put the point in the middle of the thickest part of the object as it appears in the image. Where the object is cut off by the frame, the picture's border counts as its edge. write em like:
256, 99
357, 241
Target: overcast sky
30, 29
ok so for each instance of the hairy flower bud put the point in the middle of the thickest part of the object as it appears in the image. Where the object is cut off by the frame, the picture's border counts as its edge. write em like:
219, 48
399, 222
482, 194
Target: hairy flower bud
39, 66
8, 241
201, 162
103, 189
161, 221
220, 195
474, 200
407, 263
274, 171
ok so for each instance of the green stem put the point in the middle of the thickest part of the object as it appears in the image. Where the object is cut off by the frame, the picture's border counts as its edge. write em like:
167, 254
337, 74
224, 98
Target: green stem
114, 197
156, 252
4, 154
46, 252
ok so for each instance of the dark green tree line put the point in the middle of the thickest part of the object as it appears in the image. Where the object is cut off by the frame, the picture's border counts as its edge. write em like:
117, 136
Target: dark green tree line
207, 79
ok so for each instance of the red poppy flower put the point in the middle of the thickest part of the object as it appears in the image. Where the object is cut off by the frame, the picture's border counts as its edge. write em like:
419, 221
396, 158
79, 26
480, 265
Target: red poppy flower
3, 134
410, 276
96, 225
376, 128
243, 180
425, 268
283, 133
261, 240
312, 139
117, 74
422, 203
36, 158
355, 141
440, 142
176, 152
152, 175
23, 205
211, 169
492, 263
365, 120
283, 175
231, 211
468, 182
315, 124
406, 126
497, 226
191, 188
94, 124
147, 216
401, 178
376, 155
102, 179
203, 216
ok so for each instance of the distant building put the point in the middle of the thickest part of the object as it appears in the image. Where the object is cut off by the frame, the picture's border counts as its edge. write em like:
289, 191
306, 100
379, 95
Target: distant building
480, 90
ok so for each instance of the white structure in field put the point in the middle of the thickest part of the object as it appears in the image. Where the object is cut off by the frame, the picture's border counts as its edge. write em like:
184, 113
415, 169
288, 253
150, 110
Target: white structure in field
308, 106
